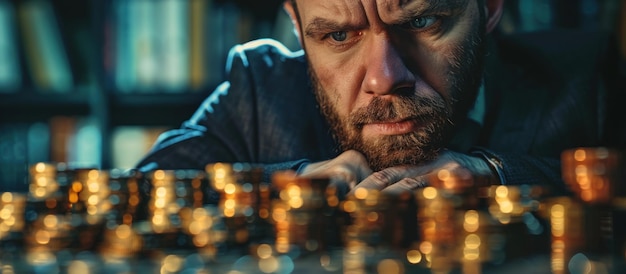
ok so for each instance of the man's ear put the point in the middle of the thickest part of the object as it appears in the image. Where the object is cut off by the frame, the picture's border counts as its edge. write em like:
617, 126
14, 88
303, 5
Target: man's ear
493, 12
291, 10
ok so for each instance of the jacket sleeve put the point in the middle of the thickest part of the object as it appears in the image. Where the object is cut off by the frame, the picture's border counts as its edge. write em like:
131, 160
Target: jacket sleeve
225, 128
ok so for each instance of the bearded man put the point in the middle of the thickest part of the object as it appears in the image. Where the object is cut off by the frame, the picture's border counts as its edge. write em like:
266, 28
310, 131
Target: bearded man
387, 92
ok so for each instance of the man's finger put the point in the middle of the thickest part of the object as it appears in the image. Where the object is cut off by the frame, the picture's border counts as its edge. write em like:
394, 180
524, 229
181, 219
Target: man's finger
384, 178
406, 185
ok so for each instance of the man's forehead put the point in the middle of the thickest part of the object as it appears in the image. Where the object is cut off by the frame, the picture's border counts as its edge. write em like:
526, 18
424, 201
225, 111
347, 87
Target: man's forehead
392, 4
339, 7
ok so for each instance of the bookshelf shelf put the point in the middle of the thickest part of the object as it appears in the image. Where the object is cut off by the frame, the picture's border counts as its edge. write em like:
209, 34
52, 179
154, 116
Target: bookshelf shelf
29, 106
154, 109
157, 99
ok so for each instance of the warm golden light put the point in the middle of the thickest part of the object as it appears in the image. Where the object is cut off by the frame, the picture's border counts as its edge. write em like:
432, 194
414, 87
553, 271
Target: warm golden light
580, 155
50, 221
349, 206
296, 202
195, 228
426, 247
93, 200
372, 216
443, 174
40, 167
506, 206
92, 210
279, 214
230, 188
471, 254
6, 212
41, 181
502, 192
159, 203
471, 219
78, 267
413, 256
268, 265
557, 220
93, 186
42, 237
158, 219
7, 197
472, 241
389, 266
123, 232
171, 264
360, 193
429, 193
294, 191
264, 251
159, 175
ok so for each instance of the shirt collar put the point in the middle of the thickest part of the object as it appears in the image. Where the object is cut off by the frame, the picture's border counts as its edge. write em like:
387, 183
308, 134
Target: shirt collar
477, 113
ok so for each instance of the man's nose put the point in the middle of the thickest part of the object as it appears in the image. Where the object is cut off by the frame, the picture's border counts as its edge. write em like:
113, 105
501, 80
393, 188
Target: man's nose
386, 72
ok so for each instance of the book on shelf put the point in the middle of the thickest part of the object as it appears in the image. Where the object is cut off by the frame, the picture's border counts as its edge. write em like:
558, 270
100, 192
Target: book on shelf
75, 140
197, 43
38, 142
173, 44
45, 52
85, 143
10, 73
143, 34
227, 26
151, 45
62, 139
62, 129
13, 157
120, 61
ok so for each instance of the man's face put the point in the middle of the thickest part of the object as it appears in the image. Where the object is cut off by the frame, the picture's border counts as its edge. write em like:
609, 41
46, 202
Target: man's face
393, 76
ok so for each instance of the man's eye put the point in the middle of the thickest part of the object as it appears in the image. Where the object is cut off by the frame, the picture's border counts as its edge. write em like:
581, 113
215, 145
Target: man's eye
422, 22
339, 36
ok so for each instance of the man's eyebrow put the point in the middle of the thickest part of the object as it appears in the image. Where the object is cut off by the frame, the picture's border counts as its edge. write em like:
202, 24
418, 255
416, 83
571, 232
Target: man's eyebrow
413, 8
322, 25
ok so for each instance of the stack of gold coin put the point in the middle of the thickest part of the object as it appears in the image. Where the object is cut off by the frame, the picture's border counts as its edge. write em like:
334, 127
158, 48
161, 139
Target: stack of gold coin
304, 213
452, 229
173, 194
47, 215
585, 231
243, 203
515, 209
592, 173
120, 239
88, 204
12, 207
567, 217
382, 227
12, 224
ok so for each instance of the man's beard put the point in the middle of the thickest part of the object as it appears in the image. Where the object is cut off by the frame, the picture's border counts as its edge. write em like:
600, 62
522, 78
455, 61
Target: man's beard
435, 116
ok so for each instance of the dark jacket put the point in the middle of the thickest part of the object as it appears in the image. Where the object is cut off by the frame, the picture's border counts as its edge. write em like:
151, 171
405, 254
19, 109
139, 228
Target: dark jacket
545, 93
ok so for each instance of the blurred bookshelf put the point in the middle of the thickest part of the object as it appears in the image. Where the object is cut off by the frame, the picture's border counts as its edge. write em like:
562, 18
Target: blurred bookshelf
85, 81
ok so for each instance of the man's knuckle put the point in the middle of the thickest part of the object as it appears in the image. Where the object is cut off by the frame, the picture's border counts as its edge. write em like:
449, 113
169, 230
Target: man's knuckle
383, 175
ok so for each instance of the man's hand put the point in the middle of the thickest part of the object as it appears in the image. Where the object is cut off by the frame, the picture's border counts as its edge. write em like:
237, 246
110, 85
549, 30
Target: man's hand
349, 168
402, 178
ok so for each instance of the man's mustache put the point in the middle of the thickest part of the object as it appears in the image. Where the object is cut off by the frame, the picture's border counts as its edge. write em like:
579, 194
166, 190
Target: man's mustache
398, 108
